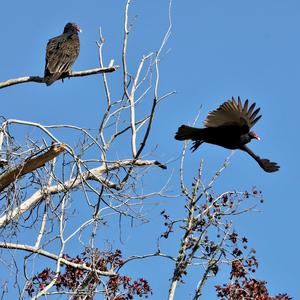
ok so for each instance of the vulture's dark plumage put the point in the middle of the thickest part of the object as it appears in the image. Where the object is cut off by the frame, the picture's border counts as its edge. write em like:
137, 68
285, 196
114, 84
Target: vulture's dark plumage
228, 126
61, 53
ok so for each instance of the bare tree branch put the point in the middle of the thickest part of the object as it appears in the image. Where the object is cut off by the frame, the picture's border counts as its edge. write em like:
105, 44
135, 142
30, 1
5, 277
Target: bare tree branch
93, 174
39, 79
50, 255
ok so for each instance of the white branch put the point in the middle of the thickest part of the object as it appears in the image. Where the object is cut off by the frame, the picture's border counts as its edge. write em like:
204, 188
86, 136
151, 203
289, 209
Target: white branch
38, 79
50, 255
93, 174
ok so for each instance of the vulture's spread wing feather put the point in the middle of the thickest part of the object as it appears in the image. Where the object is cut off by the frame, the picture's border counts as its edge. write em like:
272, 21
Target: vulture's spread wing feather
233, 112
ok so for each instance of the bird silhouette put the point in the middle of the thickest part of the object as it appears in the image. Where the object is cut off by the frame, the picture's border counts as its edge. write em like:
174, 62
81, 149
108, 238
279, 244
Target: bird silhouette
228, 126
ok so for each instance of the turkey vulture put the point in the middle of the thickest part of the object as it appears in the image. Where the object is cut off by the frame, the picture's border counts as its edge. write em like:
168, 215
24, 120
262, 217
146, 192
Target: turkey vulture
228, 126
61, 53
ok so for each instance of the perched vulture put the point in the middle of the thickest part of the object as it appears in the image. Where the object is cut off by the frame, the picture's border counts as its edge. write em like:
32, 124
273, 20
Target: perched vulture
228, 126
61, 53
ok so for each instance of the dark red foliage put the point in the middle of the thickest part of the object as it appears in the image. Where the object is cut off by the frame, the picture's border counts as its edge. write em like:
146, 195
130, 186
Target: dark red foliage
168, 223
233, 237
244, 288
124, 288
248, 289
116, 288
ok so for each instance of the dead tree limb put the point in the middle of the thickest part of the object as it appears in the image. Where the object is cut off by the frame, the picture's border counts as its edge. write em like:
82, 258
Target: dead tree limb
29, 165
39, 79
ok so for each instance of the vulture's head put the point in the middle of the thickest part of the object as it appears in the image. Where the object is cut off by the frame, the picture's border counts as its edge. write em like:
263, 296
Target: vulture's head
254, 135
72, 28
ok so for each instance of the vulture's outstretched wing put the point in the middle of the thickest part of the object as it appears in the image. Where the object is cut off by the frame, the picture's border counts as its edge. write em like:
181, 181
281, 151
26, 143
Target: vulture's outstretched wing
233, 112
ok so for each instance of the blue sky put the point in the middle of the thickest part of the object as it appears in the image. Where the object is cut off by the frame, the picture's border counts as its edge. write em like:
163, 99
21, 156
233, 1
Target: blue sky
217, 49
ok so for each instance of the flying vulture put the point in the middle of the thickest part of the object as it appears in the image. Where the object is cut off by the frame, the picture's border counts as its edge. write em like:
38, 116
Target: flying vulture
61, 53
228, 126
